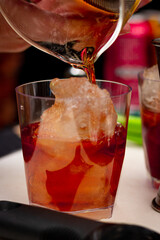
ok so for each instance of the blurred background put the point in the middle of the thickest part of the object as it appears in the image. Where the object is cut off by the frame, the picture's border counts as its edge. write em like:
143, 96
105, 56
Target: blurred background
33, 65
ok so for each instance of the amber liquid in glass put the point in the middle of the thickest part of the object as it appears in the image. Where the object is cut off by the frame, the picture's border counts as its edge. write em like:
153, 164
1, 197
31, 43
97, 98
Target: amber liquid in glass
88, 181
151, 140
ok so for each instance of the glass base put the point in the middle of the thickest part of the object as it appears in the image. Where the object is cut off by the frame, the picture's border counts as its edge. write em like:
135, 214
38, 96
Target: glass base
155, 183
94, 214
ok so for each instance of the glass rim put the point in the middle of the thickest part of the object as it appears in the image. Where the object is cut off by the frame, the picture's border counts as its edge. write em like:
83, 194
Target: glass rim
129, 88
140, 76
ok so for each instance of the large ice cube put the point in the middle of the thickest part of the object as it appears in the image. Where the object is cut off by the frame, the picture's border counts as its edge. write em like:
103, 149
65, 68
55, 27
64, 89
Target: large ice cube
151, 89
81, 111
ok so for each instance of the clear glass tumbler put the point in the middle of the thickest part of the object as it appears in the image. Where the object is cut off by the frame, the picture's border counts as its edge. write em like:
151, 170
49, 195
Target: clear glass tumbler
65, 174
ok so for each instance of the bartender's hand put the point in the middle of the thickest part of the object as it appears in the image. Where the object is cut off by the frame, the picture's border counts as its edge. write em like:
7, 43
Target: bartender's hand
11, 42
143, 3
126, 28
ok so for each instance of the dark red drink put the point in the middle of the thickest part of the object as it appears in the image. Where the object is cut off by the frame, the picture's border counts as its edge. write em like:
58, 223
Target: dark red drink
79, 176
151, 141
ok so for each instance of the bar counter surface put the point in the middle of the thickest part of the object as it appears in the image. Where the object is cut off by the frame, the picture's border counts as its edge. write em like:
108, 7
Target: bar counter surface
134, 197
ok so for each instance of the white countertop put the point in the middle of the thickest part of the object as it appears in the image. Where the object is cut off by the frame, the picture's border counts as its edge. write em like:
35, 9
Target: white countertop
134, 197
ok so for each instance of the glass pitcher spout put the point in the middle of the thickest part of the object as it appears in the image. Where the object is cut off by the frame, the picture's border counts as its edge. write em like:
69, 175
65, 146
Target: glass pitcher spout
66, 30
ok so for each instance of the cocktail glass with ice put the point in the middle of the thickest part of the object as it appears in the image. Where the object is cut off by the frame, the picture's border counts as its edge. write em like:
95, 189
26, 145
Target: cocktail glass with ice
149, 93
73, 140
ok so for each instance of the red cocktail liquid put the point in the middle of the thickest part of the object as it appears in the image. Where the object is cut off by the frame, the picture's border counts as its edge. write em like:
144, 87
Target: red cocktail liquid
87, 181
151, 141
